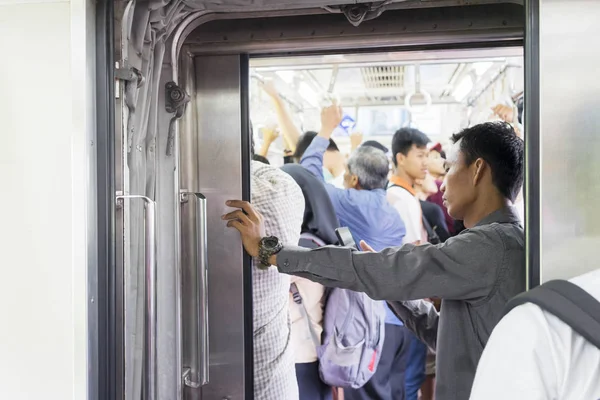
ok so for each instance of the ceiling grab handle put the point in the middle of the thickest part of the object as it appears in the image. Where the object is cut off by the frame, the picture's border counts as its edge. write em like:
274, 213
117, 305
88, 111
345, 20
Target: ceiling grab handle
150, 321
198, 375
417, 90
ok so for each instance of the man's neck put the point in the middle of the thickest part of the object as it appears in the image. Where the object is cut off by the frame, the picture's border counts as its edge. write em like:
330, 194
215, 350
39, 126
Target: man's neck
437, 177
484, 207
400, 173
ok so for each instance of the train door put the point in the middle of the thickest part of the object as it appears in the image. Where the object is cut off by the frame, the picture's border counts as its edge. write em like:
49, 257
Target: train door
183, 319
214, 150
186, 299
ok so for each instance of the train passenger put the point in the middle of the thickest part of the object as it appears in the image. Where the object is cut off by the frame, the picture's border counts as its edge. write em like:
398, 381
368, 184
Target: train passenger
534, 355
432, 213
363, 208
318, 229
409, 156
435, 165
474, 273
279, 199
333, 160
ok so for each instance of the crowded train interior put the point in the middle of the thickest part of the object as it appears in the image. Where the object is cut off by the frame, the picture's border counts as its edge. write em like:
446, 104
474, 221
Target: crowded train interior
438, 92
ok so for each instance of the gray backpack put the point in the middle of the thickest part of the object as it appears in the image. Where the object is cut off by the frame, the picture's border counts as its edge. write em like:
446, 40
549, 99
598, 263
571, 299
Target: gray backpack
353, 334
567, 301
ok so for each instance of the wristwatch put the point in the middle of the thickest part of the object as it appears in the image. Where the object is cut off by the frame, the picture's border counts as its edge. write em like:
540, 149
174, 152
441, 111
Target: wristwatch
267, 247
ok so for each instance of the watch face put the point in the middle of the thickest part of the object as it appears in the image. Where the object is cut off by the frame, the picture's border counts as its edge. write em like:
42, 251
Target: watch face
270, 242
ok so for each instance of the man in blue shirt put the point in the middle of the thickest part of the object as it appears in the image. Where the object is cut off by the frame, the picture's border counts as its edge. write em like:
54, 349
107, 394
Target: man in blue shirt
363, 207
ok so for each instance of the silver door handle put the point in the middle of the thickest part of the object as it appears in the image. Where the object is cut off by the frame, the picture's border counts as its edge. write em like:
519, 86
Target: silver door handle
201, 296
150, 322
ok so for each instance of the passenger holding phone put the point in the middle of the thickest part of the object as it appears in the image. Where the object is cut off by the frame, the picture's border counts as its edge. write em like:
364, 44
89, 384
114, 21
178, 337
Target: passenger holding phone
474, 273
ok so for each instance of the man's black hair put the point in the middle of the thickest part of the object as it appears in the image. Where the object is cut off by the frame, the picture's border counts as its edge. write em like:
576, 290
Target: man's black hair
259, 158
405, 138
306, 139
376, 144
499, 146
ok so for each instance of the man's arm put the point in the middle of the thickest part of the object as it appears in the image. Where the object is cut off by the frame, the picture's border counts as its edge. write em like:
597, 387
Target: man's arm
312, 159
269, 136
288, 129
419, 316
465, 267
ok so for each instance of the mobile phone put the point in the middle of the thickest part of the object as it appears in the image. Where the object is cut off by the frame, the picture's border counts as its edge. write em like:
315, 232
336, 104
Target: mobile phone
345, 237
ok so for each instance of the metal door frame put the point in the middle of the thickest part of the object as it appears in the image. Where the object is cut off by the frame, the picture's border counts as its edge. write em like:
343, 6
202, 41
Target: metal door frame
533, 147
105, 349
103, 352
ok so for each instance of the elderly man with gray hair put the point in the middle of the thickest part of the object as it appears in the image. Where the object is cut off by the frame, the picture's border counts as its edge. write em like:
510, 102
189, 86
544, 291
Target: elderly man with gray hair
363, 207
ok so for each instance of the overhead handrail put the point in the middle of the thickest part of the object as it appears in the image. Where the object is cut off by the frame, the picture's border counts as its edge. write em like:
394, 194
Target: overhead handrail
472, 100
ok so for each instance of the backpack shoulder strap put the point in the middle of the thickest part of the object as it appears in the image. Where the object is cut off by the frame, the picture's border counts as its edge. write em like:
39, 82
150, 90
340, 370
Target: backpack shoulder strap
298, 300
310, 241
432, 236
567, 301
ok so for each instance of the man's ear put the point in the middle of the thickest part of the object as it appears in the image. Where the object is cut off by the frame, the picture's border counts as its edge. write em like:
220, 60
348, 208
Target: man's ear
479, 167
399, 158
354, 182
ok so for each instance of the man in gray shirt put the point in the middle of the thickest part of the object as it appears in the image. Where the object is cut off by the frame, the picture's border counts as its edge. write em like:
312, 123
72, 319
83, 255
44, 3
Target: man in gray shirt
474, 273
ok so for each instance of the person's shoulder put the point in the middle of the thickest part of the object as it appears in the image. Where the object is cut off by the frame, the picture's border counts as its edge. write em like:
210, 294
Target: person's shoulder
431, 207
529, 317
271, 184
590, 282
396, 194
271, 175
509, 235
478, 238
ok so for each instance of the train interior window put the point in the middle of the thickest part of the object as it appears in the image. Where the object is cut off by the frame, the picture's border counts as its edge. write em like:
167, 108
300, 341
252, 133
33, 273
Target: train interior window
437, 92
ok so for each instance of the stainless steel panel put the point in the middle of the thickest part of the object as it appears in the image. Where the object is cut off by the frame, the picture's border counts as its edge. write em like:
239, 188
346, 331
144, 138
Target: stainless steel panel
150, 316
261, 34
167, 200
531, 185
197, 373
570, 136
211, 164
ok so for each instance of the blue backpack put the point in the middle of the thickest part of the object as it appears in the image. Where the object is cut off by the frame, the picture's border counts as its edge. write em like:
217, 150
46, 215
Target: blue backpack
353, 332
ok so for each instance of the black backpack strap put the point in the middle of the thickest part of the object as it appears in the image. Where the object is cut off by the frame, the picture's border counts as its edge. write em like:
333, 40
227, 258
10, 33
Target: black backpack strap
308, 243
567, 301
432, 236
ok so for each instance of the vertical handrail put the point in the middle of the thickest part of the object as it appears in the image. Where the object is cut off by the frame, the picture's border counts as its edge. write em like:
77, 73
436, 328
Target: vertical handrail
201, 368
150, 319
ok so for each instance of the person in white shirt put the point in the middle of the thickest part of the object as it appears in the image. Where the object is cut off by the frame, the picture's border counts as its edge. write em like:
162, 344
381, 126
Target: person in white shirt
409, 155
281, 202
534, 355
